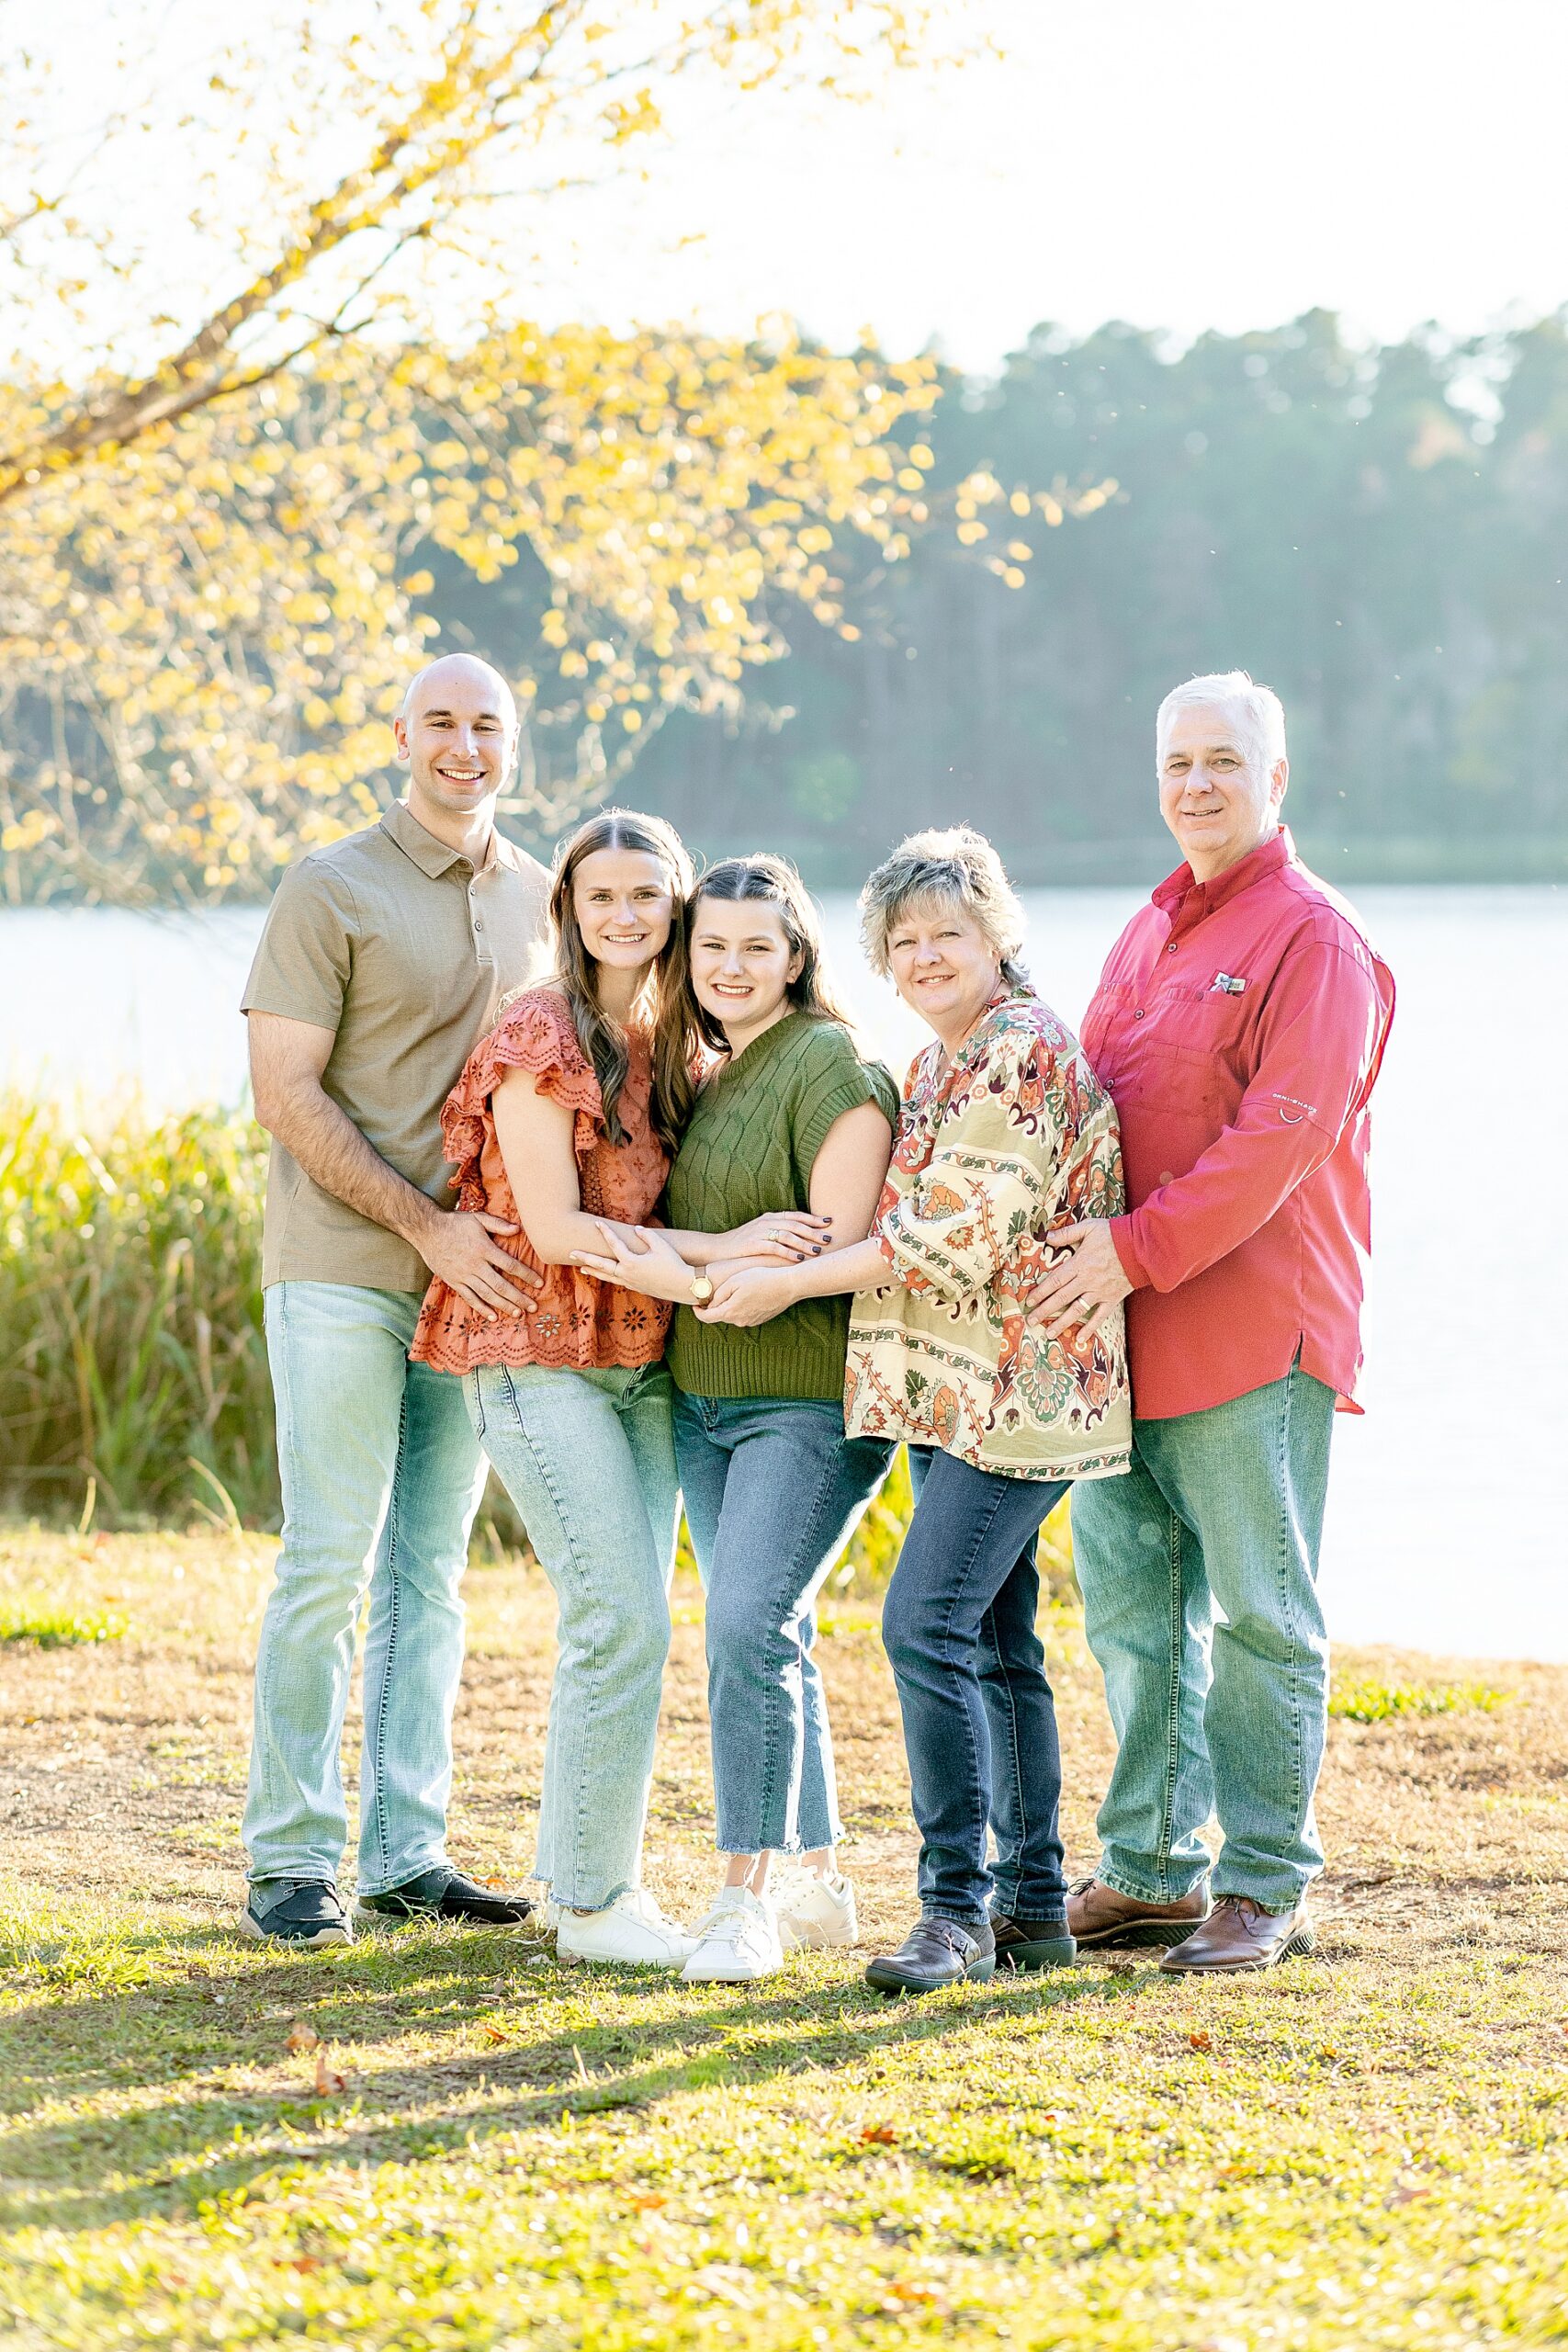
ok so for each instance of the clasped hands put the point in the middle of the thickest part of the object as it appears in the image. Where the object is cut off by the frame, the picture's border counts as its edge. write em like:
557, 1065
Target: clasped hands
752, 1282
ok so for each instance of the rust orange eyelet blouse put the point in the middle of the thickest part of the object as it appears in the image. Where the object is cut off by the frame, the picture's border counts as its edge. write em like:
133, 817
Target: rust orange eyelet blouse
577, 1323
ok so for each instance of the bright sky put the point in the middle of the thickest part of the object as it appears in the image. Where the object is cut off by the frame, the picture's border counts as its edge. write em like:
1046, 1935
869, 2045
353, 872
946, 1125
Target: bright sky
1178, 162
1181, 164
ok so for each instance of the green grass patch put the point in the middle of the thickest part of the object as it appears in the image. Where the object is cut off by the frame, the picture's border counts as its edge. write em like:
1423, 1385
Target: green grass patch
470, 2149
51, 1627
1378, 1703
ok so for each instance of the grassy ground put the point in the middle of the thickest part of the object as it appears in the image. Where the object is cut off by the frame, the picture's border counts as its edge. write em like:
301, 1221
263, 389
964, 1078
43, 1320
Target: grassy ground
1370, 2148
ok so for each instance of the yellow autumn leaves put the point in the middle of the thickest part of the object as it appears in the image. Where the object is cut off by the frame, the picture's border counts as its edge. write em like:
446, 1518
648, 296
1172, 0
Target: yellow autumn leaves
224, 615
218, 567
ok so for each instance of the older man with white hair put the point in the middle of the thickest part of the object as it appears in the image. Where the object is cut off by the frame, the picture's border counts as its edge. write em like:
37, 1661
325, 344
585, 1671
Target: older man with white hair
381, 961
1239, 1025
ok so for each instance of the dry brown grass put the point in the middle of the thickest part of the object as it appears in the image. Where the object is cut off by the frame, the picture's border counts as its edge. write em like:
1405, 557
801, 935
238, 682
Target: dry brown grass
122, 1763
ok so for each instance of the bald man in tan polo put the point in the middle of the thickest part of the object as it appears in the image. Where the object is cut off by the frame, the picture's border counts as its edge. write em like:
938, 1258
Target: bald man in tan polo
382, 962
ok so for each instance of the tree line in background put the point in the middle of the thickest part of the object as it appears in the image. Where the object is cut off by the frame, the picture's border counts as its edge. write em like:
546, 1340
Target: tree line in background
268, 378
277, 425
1382, 535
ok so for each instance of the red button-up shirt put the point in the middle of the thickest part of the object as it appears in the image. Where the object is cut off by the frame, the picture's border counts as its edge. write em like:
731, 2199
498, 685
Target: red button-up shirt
1238, 1026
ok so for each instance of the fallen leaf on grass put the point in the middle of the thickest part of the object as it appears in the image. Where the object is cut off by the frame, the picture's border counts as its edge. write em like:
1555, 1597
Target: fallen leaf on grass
649, 2200
879, 2135
306, 2262
495, 2033
1199, 2040
301, 2037
329, 2082
915, 2291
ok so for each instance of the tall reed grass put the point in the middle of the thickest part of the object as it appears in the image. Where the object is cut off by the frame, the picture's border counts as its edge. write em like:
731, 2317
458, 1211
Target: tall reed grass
133, 1378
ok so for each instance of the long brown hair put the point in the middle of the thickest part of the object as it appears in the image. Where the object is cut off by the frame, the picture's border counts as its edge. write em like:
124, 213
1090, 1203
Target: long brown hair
674, 1039
775, 883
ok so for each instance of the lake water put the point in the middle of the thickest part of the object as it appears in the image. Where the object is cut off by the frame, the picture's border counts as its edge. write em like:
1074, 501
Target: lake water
1447, 1526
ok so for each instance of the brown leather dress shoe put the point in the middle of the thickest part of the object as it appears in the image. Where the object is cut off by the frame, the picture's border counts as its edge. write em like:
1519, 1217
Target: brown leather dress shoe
1238, 1933
1100, 1918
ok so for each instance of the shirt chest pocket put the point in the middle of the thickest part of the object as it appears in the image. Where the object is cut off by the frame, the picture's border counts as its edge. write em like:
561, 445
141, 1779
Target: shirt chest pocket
1105, 1026
1194, 1056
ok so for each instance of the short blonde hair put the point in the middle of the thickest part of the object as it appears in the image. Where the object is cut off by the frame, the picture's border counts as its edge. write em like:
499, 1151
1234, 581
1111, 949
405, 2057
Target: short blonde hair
956, 868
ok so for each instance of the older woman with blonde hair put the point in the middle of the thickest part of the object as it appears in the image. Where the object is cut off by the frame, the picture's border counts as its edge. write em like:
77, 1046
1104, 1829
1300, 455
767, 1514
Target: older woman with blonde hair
1003, 1133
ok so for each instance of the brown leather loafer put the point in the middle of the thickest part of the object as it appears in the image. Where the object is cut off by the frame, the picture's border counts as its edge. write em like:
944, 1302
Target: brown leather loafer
1238, 1933
1101, 1918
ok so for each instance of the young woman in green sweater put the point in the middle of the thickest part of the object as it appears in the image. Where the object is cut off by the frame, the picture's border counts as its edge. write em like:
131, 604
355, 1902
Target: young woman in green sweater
791, 1119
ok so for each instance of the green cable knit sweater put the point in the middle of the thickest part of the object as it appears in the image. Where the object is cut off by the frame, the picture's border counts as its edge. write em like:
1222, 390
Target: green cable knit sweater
758, 1126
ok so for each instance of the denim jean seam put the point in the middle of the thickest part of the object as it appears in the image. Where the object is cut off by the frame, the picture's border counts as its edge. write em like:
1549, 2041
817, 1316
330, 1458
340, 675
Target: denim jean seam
285, 1424
551, 1489
1013, 1752
378, 1801
1286, 1611
978, 1538
772, 1704
1178, 1625
825, 1487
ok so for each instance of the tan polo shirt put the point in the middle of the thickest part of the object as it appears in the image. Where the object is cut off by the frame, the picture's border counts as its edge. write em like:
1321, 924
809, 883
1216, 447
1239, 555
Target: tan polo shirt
400, 947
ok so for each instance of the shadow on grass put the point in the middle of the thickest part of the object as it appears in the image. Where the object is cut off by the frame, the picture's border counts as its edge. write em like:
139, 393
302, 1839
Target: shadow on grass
629, 2041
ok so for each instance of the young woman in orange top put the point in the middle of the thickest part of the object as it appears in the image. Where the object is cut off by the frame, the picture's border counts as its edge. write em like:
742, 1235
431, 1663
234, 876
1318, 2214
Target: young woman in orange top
565, 1121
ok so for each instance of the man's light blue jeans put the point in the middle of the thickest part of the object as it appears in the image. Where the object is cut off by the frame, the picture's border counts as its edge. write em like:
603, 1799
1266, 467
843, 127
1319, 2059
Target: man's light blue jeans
773, 1491
1198, 1573
381, 1478
589, 1460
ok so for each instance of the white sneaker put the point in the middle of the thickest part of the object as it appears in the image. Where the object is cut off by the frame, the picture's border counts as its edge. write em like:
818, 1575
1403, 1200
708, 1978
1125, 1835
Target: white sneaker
632, 1932
740, 1941
814, 1913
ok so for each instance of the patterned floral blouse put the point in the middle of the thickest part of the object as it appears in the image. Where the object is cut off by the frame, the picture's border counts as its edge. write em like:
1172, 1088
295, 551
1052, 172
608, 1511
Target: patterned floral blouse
1013, 1135
576, 1322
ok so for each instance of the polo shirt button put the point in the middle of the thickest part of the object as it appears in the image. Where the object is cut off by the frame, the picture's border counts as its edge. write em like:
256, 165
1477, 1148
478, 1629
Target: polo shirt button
1172, 948
1139, 1014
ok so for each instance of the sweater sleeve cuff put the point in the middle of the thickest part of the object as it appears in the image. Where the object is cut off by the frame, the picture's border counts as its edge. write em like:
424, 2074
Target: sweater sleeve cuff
1126, 1248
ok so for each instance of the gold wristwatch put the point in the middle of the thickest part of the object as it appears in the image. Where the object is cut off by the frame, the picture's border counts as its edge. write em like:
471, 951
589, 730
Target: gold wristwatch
702, 1289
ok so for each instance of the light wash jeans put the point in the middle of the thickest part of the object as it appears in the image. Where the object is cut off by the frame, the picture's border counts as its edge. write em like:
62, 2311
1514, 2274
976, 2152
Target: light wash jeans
589, 1460
381, 1478
773, 1490
1199, 1577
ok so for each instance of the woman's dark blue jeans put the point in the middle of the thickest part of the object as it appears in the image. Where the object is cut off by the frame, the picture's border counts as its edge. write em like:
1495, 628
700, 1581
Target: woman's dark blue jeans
980, 1720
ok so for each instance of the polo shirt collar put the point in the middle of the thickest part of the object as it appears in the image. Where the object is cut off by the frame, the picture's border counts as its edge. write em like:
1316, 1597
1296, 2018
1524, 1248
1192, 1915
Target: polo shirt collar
433, 857
1183, 898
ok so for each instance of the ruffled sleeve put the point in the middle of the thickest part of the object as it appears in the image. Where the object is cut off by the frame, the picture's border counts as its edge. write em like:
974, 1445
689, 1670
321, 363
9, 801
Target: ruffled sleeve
535, 1033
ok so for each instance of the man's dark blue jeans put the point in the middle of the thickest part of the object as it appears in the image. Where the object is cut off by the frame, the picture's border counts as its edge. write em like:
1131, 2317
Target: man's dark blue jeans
980, 1720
